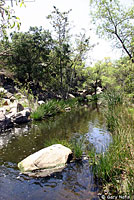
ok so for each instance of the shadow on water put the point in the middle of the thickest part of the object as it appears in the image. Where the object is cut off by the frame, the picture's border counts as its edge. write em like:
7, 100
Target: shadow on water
76, 181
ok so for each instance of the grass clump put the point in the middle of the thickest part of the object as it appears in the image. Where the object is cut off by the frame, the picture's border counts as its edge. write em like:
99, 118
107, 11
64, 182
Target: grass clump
52, 107
74, 145
58, 141
77, 148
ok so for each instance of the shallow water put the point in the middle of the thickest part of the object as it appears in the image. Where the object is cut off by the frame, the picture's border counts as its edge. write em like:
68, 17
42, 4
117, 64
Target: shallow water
76, 181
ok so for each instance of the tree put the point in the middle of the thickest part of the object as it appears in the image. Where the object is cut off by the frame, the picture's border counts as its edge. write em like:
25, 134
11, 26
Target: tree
60, 23
115, 23
102, 74
124, 74
30, 55
78, 62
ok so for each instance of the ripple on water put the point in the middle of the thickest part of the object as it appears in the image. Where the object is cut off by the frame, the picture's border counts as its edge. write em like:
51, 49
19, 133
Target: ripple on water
75, 182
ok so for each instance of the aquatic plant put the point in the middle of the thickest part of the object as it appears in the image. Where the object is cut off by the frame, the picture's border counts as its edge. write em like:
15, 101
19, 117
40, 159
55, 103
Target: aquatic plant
52, 107
74, 145
114, 167
58, 141
38, 114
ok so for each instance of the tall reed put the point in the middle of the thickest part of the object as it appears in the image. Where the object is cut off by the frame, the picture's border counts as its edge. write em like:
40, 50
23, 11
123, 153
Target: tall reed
115, 167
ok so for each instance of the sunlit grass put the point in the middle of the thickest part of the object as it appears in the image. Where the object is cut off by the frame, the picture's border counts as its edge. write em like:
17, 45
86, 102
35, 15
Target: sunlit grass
74, 145
52, 107
115, 167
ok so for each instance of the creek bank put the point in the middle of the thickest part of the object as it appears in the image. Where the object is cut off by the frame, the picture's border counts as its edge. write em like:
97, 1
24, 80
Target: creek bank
46, 161
16, 106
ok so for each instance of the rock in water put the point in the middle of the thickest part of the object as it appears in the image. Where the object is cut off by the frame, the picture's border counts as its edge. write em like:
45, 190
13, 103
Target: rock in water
49, 160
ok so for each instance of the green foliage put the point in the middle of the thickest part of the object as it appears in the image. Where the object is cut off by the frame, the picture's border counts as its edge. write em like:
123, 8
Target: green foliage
115, 22
77, 147
74, 145
58, 141
52, 107
46, 110
29, 51
8, 19
115, 166
77, 150
100, 75
60, 23
2, 93
112, 99
52, 63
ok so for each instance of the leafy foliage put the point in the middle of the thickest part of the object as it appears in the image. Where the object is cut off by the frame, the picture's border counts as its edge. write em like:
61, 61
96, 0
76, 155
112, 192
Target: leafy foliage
29, 51
7, 17
116, 23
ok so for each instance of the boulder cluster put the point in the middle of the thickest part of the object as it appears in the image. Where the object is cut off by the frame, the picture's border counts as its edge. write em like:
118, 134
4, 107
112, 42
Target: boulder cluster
12, 109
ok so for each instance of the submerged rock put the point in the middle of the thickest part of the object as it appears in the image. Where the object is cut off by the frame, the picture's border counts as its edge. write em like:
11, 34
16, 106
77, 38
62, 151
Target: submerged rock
46, 161
5, 122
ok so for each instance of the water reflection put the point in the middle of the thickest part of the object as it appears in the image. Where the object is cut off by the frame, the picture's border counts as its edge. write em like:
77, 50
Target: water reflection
75, 181
99, 137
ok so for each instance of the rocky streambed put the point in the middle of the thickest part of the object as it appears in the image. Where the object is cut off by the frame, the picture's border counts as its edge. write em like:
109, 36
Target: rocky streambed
12, 110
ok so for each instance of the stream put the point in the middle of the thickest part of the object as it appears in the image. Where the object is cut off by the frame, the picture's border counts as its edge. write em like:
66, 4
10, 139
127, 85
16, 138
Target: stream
76, 181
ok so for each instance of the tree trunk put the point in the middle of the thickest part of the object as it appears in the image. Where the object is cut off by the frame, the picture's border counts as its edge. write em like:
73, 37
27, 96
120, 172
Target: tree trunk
124, 47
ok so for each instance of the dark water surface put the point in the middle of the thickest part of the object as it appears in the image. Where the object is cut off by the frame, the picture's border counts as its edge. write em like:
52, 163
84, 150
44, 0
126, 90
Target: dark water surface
76, 181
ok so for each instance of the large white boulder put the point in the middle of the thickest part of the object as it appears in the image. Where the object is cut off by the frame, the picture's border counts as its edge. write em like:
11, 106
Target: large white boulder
52, 157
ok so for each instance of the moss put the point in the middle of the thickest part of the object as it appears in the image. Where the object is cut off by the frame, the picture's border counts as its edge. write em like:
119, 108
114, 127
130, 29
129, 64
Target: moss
20, 166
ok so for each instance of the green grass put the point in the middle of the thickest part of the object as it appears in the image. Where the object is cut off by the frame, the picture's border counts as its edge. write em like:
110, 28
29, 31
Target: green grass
52, 107
74, 145
77, 148
58, 141
115, 167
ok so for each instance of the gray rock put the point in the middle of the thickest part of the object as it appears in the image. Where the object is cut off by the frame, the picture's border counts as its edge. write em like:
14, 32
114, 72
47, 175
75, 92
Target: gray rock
48, 160
2, 115
22, 116
44, 172
2, 110
2, 90
20, 119
12, 99
5, 123
13, 110
99, 90
67, 109
19, 107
